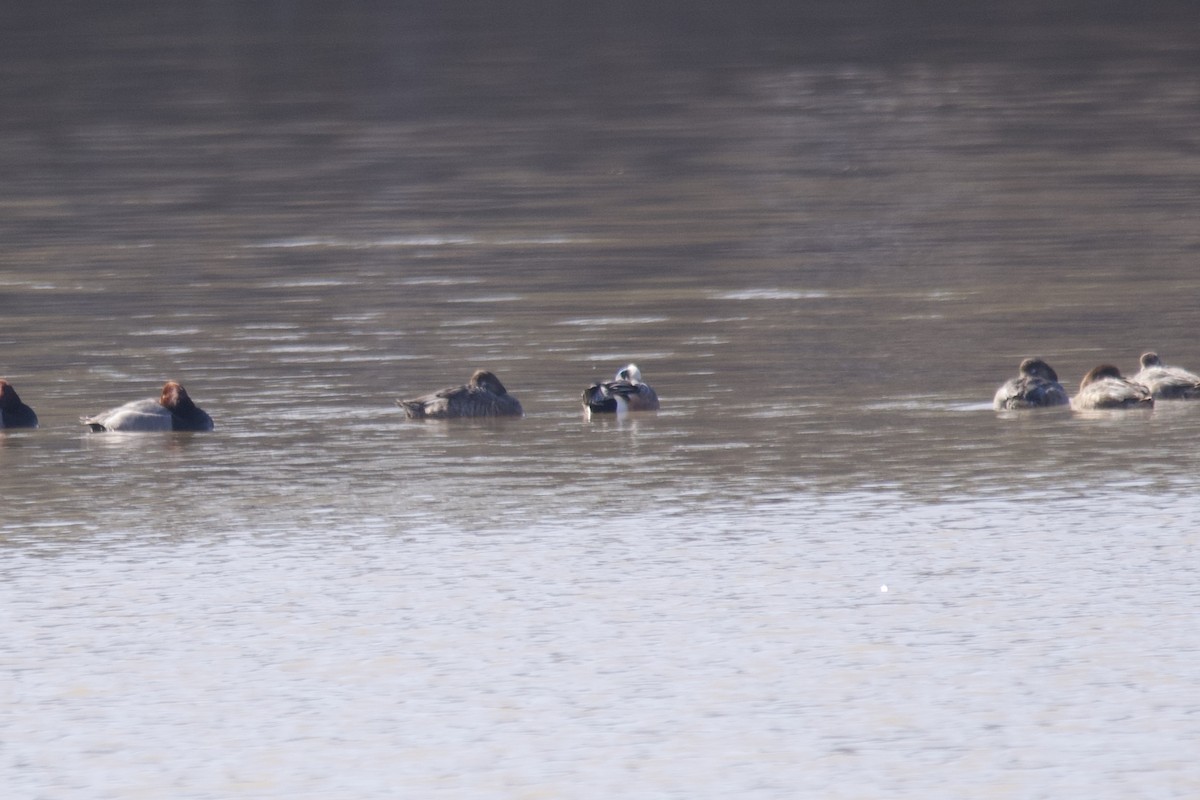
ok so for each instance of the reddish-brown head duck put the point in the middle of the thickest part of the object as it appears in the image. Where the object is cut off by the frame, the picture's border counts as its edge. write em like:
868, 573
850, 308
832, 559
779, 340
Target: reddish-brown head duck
172, 411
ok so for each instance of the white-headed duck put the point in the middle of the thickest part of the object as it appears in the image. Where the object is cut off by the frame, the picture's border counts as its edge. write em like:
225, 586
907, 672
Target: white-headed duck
626, 392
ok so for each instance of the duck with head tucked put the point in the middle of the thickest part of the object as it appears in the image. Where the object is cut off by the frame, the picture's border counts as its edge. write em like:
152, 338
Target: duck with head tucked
625, 392
1036, 386
14, 413
482, 396
1167, 383
1104, 387
173, 410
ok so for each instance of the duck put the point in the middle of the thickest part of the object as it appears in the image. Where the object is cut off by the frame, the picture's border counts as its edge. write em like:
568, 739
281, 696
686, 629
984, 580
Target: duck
1167, 383
14, 413
173, 410
482, 396
626, 392
1104, 387
1036, 386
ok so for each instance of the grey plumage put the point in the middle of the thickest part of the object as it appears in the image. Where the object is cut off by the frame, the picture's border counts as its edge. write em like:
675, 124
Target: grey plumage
482, 396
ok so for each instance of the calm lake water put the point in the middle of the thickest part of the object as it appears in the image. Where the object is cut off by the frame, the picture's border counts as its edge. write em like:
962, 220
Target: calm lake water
825, 569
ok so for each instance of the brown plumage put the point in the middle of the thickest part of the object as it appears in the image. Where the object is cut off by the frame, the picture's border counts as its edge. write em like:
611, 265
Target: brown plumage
482, 396
1104, 387
1036, 386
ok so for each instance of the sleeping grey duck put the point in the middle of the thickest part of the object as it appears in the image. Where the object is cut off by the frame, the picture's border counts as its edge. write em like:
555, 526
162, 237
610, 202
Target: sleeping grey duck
1103, 387
482, 396
1036, 387
1167, 383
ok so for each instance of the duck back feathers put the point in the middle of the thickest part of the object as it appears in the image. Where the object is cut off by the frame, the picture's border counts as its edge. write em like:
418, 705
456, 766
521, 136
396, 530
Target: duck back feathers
1167, 383
482, 396
1036, 386
1105, 387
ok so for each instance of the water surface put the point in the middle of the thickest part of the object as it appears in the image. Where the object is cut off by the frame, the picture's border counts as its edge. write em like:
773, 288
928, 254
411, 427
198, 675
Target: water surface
825, 569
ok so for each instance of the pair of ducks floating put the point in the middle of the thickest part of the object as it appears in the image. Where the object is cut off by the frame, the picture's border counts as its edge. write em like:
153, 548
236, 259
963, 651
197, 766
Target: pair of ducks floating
173, 410
1103, 387
483, 396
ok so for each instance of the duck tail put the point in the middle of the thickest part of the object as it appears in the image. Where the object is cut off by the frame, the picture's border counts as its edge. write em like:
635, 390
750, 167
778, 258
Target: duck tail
598, 401
413, 409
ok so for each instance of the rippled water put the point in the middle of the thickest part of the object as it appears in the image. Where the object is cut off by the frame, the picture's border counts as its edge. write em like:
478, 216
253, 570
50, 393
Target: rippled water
825, 569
